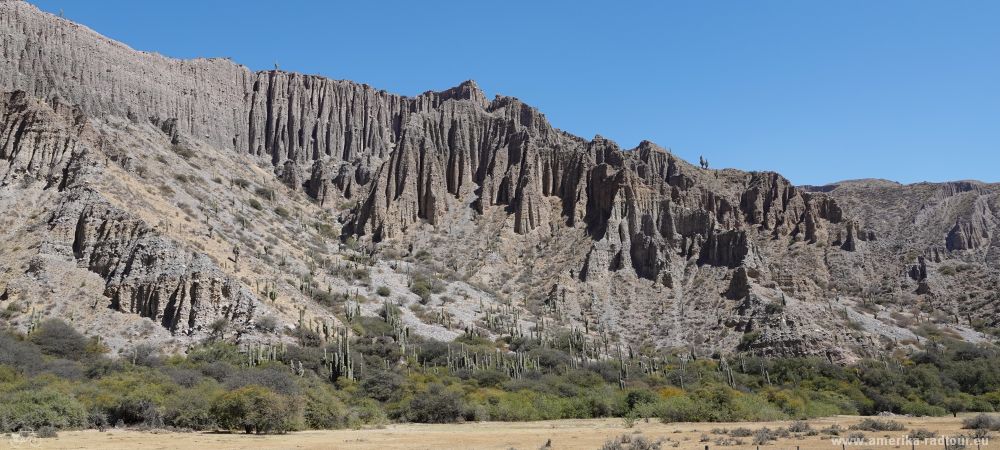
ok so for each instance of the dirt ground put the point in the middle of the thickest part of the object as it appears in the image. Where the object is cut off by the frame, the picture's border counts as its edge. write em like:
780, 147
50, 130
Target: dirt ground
564, 434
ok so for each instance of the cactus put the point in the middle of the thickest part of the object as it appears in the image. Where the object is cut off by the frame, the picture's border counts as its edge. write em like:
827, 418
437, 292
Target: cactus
341, 363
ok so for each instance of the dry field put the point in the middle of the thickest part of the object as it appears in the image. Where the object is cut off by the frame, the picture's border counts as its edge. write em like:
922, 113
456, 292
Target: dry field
564, 434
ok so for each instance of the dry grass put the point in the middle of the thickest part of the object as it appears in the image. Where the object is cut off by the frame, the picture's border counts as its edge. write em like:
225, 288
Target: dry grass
564, 434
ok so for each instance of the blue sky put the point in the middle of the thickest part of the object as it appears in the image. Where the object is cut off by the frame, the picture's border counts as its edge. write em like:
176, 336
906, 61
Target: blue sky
817, 90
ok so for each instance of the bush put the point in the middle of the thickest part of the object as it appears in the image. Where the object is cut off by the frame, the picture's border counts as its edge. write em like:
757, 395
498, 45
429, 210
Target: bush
191, 408
255, 204
274, 377
268, 324
922, 433
856, 437
254, 409
982, 422
870, 424
921, 408
134, 397
682, 408
763, 436
265, 193
182, 151
383, 385
833, 430
383, 291
749, 338
366, 412
145, 355
717, 404
18, 354
33, 409
57, 338
323, 410
436, 405
799, 426
424, 286
630, 442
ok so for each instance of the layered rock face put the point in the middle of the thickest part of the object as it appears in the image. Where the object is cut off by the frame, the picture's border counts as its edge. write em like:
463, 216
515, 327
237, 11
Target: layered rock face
648, 246
405, 159
36, 142
147, 274
49, 147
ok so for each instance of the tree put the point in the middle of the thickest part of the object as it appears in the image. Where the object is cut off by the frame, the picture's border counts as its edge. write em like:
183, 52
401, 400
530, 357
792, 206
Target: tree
254, 409
436, 405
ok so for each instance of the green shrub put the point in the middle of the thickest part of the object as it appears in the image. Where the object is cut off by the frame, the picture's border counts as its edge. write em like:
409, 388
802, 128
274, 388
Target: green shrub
323, 410
749, 338
921, 408
383, 385
436, 405
255, 204
37, 408
682, 408
191, 408
366, 412
57, 338
254, 409
383, 291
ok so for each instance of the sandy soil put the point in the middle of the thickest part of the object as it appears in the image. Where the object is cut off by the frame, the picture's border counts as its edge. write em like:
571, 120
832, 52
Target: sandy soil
564, 434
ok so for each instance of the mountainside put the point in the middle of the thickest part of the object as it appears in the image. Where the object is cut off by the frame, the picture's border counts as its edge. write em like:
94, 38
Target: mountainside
156, 200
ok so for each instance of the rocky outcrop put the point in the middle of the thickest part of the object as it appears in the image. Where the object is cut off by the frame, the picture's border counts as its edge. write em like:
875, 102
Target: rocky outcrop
410, 159
144, 272
37, 140
729, 249
967, 235
918, 271
667, 239
850, 243
739, 285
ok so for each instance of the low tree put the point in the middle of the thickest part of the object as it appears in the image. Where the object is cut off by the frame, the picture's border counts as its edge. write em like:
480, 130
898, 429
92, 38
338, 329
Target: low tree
254, 409
436, 405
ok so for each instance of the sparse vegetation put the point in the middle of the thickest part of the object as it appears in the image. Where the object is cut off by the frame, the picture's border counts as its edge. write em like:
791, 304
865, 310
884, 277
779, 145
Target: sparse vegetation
871, 424
182, 151
73, 384
982, 422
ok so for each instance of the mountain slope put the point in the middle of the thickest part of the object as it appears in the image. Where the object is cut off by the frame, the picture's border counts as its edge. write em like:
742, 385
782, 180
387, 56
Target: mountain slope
206, 197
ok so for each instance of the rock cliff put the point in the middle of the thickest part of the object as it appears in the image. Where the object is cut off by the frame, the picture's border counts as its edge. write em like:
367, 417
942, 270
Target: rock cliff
637, 242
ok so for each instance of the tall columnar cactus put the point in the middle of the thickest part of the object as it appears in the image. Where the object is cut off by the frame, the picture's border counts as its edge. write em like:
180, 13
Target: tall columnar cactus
341, 362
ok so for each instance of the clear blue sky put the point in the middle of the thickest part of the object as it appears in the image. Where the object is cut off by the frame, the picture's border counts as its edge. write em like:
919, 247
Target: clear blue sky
818, 90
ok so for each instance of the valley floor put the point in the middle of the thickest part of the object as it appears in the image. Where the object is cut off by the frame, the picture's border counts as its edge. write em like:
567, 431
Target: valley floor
564, 434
